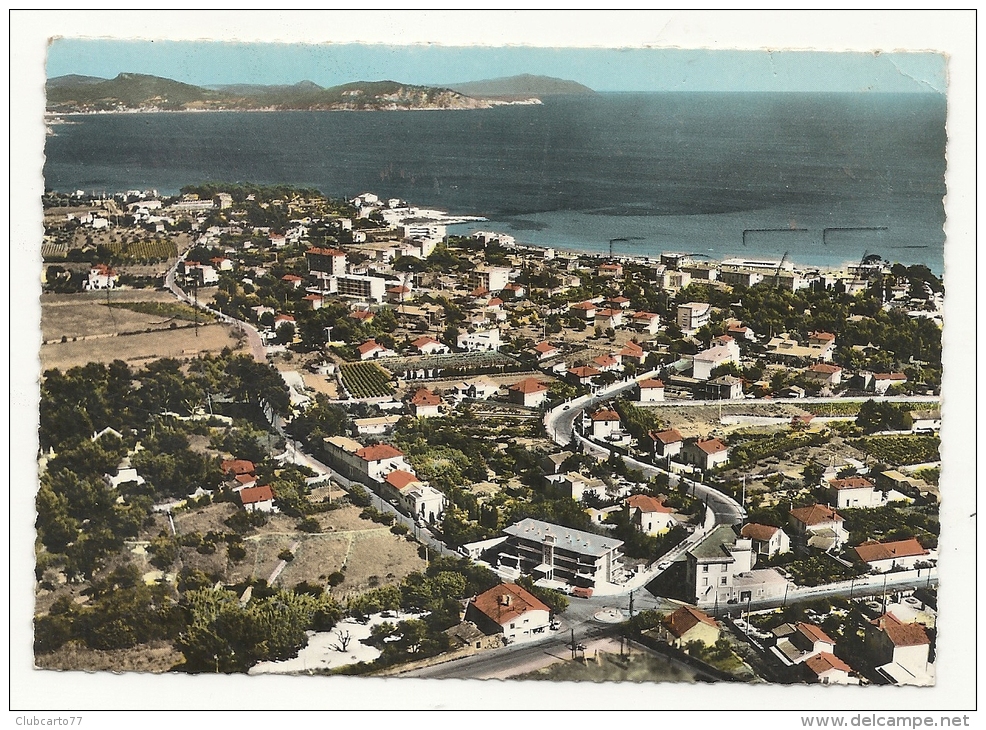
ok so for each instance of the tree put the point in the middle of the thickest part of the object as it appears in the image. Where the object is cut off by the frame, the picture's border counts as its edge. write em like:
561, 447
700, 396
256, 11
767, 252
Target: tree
285, 333
812, 474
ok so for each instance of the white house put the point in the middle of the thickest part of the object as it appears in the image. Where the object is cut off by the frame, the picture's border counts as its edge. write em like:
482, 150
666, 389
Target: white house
579, 485
885, 556
529, 392
479, 341
799, 642
705, 454
605, 423
372, 350
667, 443
479, 388
649, 514
854, 493
102, 276
827, 668
726, 351
425, 404
510, 610
819, 526
767, 540
901, 651
883, 381
257, 499
646, 322
429, 346
651, 390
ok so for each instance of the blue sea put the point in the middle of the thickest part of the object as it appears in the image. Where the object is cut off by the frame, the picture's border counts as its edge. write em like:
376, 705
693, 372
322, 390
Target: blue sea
687, 172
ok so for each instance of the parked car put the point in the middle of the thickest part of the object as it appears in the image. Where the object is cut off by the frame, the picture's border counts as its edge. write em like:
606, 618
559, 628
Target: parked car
664, 565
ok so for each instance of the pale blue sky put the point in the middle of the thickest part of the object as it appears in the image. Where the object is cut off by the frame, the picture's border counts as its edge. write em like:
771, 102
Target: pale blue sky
636, 69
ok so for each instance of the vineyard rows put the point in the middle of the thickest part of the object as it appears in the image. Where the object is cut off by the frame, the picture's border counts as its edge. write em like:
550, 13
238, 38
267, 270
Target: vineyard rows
365, 380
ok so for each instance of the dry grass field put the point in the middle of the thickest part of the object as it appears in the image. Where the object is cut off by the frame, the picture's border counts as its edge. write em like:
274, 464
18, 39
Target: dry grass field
139, 349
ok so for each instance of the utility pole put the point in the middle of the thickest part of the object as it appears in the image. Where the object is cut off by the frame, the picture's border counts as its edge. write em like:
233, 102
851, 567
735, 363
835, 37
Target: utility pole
573, 643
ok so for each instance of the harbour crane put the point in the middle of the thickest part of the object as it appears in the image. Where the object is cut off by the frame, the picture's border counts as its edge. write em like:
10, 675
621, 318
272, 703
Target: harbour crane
777, 274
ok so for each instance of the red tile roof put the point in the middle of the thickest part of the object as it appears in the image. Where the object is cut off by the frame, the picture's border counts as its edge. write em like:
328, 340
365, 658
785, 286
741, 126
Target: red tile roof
369, 346
645, 315
685, 619
632, 349
711, 446
291, 277
651, 383
545, 347
586, 306
824, 369
606, 415
245, 478
378, 452
361, 314
399, 479
528, 385
756, 531
825, 661
814, 633
872, 550
506, 602
902, 634
237, 466
646, 503
670, 436
252, 495
890, 376
823, 336
584, 372
424, 397
424, 342
851, 483
605, 361
815, 514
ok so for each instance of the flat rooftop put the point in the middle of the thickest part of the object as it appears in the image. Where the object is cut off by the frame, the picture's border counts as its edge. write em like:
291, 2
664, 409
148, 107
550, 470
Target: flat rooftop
565, 538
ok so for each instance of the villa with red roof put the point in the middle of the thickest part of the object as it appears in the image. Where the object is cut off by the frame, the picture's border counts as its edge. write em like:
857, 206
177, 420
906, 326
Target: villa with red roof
901, 651
649, 514
529, 392
632, 351
819, 526
706, 454
429, 346
292, 280
545, 350
605, 423
768, 540
583, 375
587, 310
799, 642
667, 443
510, 610
425, 404
825, 374
326, 260
884, 556
371, 350
854, 493
257, 499
651, 390
827, 668
605, 363
883, 381
649, 322
688, 624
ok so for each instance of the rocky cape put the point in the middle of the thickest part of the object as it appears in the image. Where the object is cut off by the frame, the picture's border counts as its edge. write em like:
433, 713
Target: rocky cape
129, 92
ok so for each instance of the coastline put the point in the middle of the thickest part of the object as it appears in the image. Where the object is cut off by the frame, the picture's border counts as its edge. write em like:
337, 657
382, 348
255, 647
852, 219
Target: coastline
486, 104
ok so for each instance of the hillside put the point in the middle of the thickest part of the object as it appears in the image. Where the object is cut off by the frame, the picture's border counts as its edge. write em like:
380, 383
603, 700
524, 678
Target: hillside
523, 86
141, 92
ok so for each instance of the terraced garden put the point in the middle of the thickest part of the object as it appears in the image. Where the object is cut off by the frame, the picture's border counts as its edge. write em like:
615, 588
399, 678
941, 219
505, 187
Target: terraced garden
900, 450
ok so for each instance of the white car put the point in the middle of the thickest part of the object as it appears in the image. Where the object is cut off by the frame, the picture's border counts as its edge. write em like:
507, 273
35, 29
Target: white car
664, 565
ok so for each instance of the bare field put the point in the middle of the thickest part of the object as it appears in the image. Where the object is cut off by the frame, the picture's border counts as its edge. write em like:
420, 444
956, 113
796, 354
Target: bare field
88, 318
180, 343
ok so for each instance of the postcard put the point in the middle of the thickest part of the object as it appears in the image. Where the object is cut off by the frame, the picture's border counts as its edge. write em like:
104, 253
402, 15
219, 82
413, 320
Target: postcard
368, 364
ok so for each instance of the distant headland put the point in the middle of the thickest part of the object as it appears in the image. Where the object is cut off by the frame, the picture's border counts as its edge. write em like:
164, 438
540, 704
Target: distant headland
131, 92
